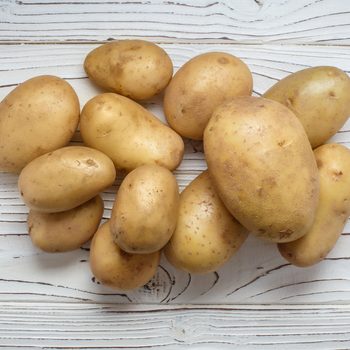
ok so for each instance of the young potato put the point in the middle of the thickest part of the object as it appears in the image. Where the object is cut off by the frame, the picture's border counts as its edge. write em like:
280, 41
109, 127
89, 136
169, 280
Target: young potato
64, 179
65, 231
206, 234
145, 210
199, 86
319, 97
129, 134
333, 208
38, 116
134, 68
116, 268
263, 168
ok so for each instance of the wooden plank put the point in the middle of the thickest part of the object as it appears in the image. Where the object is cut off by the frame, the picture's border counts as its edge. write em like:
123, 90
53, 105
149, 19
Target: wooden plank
248, 21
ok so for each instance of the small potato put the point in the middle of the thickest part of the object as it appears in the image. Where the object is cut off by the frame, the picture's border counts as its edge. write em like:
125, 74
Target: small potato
38, 116
333, 208
116, 268
134, 68
319, 97
65, 231
206, 234
64, 179
199, 86
129, 134
145, 210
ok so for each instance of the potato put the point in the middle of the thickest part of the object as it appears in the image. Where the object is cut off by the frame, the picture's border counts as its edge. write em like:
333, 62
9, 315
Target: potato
65, 231
333, 208
38, 116
199, 86
145, 210
129, 134
319, 97
63, 179
206, 234
116, 268
134, 68
263, 168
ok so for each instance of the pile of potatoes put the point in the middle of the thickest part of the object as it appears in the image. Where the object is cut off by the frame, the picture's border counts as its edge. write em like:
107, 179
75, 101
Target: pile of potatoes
270, 172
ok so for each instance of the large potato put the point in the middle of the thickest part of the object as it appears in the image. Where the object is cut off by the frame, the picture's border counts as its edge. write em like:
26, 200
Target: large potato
134, 68
63, 179
65, 231
116, 268
263, 168
199, 86
206, 234
333, 208
38, 116
319, 97
145, 210
129, 134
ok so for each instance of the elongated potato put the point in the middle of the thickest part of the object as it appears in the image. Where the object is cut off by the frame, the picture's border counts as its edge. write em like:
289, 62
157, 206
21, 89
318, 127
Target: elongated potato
333, 208
263, 167
116, 268
38, 116
145, 210
206, 234
64, 179
319, 97
65, 231
129, 134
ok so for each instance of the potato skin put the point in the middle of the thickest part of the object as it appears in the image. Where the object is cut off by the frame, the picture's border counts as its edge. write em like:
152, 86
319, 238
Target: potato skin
319, 97
116, 268
145, 210
38, 116
129, 134
134, 68
263, 167
201, 85
65, 231
64, 179
333, 210
206, 234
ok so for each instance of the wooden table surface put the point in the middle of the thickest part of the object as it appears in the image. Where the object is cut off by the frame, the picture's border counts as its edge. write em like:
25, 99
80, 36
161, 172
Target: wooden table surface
257, 300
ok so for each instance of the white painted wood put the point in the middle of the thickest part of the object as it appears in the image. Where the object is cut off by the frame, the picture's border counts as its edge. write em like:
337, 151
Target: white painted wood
249, 21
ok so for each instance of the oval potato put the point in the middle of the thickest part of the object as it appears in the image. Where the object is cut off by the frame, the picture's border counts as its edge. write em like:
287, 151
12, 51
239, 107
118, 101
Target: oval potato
263, 167
38, 116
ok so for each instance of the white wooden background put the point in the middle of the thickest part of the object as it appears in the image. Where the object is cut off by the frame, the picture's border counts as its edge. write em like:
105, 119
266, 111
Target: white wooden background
256, 301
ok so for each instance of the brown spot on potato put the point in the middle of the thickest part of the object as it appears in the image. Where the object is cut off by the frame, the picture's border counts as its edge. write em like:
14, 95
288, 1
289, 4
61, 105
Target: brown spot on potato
223, 60
331, 94
319, 163
285, 233
91, 162
281, 143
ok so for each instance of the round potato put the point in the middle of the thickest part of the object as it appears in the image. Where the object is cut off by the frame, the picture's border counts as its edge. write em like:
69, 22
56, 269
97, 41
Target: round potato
65, 231
206, 234
145, 210
116, 268
129, 134
38, 116
319, 97
64, 179
333, 208
199, 86
134, 68
263, 167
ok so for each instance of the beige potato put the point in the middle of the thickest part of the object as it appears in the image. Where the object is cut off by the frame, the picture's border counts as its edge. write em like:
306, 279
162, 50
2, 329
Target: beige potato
145, 210
206, 234
65, 231
64, 179
116, 268
263, 167
38, 116
333, 208
129, 134
201, 85
134, 68
319, 97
